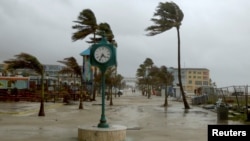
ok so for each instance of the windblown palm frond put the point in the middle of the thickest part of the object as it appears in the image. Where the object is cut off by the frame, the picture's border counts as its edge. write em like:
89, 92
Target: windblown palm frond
71, 66
170, 15
85, 25
25, 60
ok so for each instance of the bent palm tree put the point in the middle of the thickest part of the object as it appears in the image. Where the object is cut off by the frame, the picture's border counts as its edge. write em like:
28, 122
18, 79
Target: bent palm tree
170, 15
25, 60
86, 25
73, 67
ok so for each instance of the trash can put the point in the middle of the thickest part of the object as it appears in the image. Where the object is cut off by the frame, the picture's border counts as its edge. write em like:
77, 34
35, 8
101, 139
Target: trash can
222, 112
195, 100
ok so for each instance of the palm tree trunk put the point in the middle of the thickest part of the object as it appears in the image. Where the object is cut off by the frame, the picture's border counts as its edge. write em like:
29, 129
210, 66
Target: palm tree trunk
81, 92
166, 100
93, 84
41, 111
81, 98
186, 106
149, 92
95, 74
81, 103
111, 97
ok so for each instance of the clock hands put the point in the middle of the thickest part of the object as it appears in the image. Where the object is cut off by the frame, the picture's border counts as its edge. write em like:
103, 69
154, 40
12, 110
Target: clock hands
102, 56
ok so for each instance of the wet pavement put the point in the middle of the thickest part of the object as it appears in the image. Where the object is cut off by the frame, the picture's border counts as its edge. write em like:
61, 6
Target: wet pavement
145, 119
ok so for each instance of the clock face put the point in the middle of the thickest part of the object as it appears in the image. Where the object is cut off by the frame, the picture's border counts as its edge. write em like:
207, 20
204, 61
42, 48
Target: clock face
102, 54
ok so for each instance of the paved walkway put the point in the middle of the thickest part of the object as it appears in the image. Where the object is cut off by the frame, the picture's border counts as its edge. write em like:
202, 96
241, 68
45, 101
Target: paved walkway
145, 119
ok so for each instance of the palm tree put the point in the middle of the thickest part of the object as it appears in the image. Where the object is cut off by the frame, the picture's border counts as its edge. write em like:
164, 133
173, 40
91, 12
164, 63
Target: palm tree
86, 25
118, 81
73, 67
170, 15
140, 75
143, 73
167, 79
148, 63
27, 61
110, 75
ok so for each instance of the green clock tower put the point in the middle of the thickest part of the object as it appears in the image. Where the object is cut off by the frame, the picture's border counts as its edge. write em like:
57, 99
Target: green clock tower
103, 55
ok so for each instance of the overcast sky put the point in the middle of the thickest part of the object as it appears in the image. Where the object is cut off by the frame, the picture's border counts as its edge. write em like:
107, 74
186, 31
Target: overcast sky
214, 34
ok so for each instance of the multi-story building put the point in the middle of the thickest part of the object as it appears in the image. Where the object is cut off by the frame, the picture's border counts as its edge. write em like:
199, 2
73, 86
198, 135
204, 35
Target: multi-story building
52, 70
192, 78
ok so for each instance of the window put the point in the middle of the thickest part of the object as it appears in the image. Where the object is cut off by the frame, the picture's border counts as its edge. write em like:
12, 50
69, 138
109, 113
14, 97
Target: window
205, 83
198, 83
205, 73
205, 77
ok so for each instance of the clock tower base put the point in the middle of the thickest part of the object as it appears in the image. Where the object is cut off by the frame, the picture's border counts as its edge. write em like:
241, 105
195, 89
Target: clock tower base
93, 133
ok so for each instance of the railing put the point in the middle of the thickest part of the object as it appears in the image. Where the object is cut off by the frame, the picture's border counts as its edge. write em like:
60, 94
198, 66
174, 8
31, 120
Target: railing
238, 95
